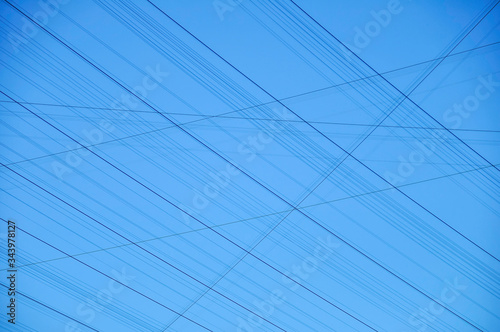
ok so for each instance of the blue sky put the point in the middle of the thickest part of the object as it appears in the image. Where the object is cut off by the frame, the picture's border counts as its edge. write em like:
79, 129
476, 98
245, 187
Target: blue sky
251, 165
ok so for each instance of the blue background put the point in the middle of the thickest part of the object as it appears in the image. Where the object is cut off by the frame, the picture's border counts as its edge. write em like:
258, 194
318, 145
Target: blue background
182, 139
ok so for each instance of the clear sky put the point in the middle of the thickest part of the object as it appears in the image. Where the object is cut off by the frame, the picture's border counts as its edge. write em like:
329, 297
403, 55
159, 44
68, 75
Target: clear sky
250, 165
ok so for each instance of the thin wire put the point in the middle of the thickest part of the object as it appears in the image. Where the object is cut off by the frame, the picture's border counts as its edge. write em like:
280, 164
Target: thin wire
223, 115
406, 96
47, 306
264, 215
106, 275
348, 154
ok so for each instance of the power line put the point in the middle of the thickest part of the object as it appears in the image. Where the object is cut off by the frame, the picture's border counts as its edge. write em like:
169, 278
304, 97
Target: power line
161, 196
407, 95
260, 216
205, 117
47, 306
224, 115
106, 275
347, 155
